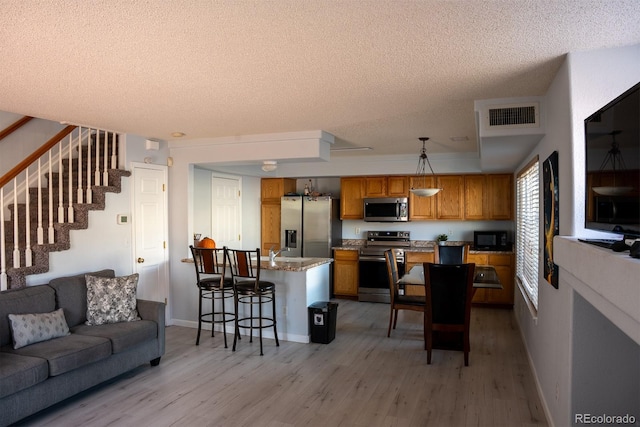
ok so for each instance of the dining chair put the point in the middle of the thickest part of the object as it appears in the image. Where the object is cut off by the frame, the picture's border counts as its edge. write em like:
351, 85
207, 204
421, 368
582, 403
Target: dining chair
249, 289
399, 301
448, 290
451, 254
213, 284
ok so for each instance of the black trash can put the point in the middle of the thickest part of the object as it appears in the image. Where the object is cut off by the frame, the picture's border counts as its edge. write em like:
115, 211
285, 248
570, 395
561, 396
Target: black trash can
322, 321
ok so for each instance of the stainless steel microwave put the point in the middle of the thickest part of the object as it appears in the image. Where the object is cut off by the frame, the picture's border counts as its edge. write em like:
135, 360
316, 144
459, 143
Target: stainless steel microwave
386, 209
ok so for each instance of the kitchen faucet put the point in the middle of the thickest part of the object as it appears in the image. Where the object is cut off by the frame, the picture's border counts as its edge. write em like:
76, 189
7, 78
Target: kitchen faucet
273, 255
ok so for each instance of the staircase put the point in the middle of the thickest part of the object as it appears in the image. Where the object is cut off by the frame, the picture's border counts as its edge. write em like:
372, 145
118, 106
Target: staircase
51, 196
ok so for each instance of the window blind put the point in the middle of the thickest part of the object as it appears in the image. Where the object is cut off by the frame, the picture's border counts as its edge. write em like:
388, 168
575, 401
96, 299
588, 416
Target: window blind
528, 229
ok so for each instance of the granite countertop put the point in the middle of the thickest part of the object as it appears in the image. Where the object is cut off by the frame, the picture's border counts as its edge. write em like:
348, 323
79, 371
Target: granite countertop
286, 263
293, 263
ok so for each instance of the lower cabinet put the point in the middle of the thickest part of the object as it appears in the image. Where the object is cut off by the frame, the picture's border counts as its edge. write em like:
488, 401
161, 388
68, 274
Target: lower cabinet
503, 263
345, 273
412, 259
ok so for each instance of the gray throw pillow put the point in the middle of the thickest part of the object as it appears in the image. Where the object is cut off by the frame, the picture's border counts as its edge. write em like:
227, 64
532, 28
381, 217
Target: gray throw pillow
32, 328
111, 299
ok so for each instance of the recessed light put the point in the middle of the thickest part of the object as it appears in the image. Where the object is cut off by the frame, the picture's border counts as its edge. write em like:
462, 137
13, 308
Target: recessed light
177, 134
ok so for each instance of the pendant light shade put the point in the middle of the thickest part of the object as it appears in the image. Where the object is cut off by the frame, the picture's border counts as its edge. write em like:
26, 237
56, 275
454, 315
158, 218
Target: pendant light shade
421, 190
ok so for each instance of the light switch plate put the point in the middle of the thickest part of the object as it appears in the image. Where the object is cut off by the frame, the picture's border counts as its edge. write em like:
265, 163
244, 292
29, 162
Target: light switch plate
123, 219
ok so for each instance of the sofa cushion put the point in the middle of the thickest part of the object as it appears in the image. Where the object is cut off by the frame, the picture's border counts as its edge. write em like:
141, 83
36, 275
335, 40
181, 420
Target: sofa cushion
123, 335
67, 353
111, 300
36, 327
71, 295
20, 372
32, 299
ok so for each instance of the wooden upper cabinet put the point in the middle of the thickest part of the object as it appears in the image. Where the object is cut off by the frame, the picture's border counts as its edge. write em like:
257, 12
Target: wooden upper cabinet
352, 191
500, 196
272, 189
475, 197
375, 186
386, 186
421, 207
450, 201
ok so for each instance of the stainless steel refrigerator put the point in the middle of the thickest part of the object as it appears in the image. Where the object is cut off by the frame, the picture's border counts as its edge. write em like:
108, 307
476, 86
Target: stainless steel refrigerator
310, 226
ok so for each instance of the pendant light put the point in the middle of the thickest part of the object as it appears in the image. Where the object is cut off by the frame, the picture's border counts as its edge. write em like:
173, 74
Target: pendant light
421, 172
614, 156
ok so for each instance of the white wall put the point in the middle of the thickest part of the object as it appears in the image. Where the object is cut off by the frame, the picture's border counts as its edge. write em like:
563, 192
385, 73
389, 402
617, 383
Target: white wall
585, 82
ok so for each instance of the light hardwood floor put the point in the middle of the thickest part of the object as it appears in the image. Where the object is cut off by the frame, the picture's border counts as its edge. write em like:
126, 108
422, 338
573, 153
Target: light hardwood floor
362, 378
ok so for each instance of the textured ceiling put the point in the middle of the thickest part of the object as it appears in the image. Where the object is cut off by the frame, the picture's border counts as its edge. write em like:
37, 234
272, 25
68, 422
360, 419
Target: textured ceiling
372, 73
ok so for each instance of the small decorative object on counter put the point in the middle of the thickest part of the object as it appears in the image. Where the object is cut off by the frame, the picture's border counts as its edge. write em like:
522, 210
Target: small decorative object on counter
196, 239
441, 239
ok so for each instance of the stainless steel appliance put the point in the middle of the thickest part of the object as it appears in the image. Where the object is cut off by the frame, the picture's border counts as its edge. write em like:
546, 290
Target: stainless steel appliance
386, 209
373, 284
309, 226
491, 241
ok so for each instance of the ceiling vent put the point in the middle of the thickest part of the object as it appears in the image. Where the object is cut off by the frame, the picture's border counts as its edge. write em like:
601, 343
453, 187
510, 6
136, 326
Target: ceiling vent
513, 116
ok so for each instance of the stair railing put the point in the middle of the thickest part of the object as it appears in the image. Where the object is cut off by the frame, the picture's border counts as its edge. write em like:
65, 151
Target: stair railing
73, 144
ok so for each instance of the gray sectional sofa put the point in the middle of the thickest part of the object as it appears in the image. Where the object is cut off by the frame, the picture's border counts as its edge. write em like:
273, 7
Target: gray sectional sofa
41, 374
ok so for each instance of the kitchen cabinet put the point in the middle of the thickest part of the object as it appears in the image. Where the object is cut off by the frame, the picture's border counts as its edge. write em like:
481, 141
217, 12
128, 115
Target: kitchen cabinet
421, 208
412, 259
500, 194
475, 197
271, 190
450, 201
488, 197
345, 273
504, 265
352, 191
386, 186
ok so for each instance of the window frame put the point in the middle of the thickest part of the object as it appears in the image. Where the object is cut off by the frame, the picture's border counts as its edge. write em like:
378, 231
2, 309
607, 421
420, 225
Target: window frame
528, 232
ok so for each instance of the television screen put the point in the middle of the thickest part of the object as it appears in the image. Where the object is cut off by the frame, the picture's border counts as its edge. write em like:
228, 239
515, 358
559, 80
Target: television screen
612, 148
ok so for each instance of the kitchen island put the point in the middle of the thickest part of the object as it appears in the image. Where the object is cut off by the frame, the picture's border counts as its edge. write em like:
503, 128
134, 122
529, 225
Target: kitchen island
299, 283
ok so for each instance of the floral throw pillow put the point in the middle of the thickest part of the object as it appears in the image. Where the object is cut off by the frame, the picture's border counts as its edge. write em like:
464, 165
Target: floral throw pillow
111, 299
32, 328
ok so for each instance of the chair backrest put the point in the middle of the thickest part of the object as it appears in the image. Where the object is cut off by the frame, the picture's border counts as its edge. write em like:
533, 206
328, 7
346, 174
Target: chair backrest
451, 254
392, 270
449, 289
209, 261
244, 264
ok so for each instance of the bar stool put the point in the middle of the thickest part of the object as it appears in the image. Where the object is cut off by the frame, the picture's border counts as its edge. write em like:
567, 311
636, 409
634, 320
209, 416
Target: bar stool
213, 284
250, 290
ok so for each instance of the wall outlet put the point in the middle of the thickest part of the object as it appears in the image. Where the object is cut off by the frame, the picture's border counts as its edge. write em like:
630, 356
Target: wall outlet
357, 230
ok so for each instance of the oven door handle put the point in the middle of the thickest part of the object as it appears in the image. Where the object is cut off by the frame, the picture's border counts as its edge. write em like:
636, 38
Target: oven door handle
372, 258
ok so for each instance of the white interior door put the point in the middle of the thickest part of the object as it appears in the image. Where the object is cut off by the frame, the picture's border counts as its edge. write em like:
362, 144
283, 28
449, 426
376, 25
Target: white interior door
150, 228
225, 212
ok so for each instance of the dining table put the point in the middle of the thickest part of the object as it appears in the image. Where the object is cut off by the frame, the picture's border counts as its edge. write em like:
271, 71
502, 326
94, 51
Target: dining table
485, 277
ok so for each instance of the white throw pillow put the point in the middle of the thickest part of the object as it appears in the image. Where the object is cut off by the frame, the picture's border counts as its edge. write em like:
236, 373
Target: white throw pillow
32, 328
111, 299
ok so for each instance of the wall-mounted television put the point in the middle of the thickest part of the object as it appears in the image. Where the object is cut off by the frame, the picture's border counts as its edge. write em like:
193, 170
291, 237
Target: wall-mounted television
612, 148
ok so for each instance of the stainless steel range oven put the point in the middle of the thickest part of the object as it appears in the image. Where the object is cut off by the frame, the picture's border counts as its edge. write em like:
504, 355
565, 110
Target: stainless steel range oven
374, 280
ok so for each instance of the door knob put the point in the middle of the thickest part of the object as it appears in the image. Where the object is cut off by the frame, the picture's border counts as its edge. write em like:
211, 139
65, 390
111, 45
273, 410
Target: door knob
140, 260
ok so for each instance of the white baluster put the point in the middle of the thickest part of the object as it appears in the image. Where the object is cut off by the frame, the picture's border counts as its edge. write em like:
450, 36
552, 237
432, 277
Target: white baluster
28, 255
105, 173
40, 229
3, 264
51, 238
96, 177
80, 198
70, 217
89, 192
60, 186
16, 240
114, 158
